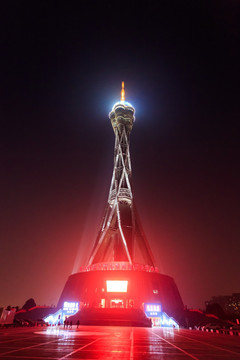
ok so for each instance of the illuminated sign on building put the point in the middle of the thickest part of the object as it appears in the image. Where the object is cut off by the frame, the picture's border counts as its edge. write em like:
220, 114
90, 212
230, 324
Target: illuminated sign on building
153, 310
70, 307
117, 285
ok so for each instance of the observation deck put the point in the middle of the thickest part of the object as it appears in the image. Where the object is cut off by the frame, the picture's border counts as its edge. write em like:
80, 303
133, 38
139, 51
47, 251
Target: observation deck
123, 113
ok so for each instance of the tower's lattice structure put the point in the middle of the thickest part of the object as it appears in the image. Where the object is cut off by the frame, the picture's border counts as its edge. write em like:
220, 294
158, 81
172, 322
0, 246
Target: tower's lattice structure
121, 238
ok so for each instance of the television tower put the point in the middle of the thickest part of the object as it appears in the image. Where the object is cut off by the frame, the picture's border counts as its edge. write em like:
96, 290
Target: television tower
121, 238
121, 262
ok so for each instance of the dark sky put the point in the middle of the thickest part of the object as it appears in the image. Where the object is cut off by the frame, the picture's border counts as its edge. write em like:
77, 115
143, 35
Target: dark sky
60, 74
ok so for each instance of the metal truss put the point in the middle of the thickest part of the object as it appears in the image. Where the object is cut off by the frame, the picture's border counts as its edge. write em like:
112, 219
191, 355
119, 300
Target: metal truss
121, 237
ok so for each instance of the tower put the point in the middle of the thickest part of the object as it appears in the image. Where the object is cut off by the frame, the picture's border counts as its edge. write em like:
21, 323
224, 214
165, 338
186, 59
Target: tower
121, 238
121, 271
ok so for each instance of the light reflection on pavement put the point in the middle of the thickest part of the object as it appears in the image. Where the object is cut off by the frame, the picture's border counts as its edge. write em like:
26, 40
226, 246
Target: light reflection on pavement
113, 342
59, 331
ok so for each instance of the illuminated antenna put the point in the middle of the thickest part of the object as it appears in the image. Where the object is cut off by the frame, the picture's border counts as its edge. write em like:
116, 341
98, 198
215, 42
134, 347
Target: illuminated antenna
123, 92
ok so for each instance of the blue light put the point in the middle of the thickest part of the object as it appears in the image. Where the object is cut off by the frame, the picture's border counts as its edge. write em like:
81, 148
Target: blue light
125, 103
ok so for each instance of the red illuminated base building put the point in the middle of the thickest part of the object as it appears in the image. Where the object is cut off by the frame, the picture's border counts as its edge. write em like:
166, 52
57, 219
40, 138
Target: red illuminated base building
116, 285
113, 277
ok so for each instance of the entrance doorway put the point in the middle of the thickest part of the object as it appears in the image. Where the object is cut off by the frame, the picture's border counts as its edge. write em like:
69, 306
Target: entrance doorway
116, 303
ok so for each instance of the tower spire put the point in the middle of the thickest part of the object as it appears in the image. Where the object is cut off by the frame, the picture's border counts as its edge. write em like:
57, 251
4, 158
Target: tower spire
122, 92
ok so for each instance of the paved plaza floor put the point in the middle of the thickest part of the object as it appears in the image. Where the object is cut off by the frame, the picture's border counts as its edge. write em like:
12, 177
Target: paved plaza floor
96, 342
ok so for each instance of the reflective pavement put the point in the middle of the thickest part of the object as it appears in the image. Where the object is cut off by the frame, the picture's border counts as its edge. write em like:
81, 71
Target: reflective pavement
96, 342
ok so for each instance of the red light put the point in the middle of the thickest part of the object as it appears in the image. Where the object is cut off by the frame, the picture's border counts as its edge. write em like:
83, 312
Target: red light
117, 285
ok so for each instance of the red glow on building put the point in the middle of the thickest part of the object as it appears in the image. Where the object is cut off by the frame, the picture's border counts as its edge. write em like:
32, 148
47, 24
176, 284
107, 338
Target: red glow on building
119, 265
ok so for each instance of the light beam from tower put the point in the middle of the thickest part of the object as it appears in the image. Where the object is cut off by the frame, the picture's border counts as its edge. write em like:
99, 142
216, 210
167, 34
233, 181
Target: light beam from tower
123, 92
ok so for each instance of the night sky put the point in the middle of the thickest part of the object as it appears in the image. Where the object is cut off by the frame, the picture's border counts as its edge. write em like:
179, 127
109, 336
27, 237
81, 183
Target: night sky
60, 74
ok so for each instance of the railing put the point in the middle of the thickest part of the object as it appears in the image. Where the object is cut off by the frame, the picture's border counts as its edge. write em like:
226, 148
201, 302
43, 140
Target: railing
221, 331
118, 266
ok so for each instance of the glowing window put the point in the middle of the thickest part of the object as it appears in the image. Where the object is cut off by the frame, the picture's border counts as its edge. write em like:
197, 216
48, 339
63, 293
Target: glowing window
117, 285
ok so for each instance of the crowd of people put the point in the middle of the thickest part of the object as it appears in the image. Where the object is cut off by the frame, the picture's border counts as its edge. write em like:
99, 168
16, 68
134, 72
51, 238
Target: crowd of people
68, 324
